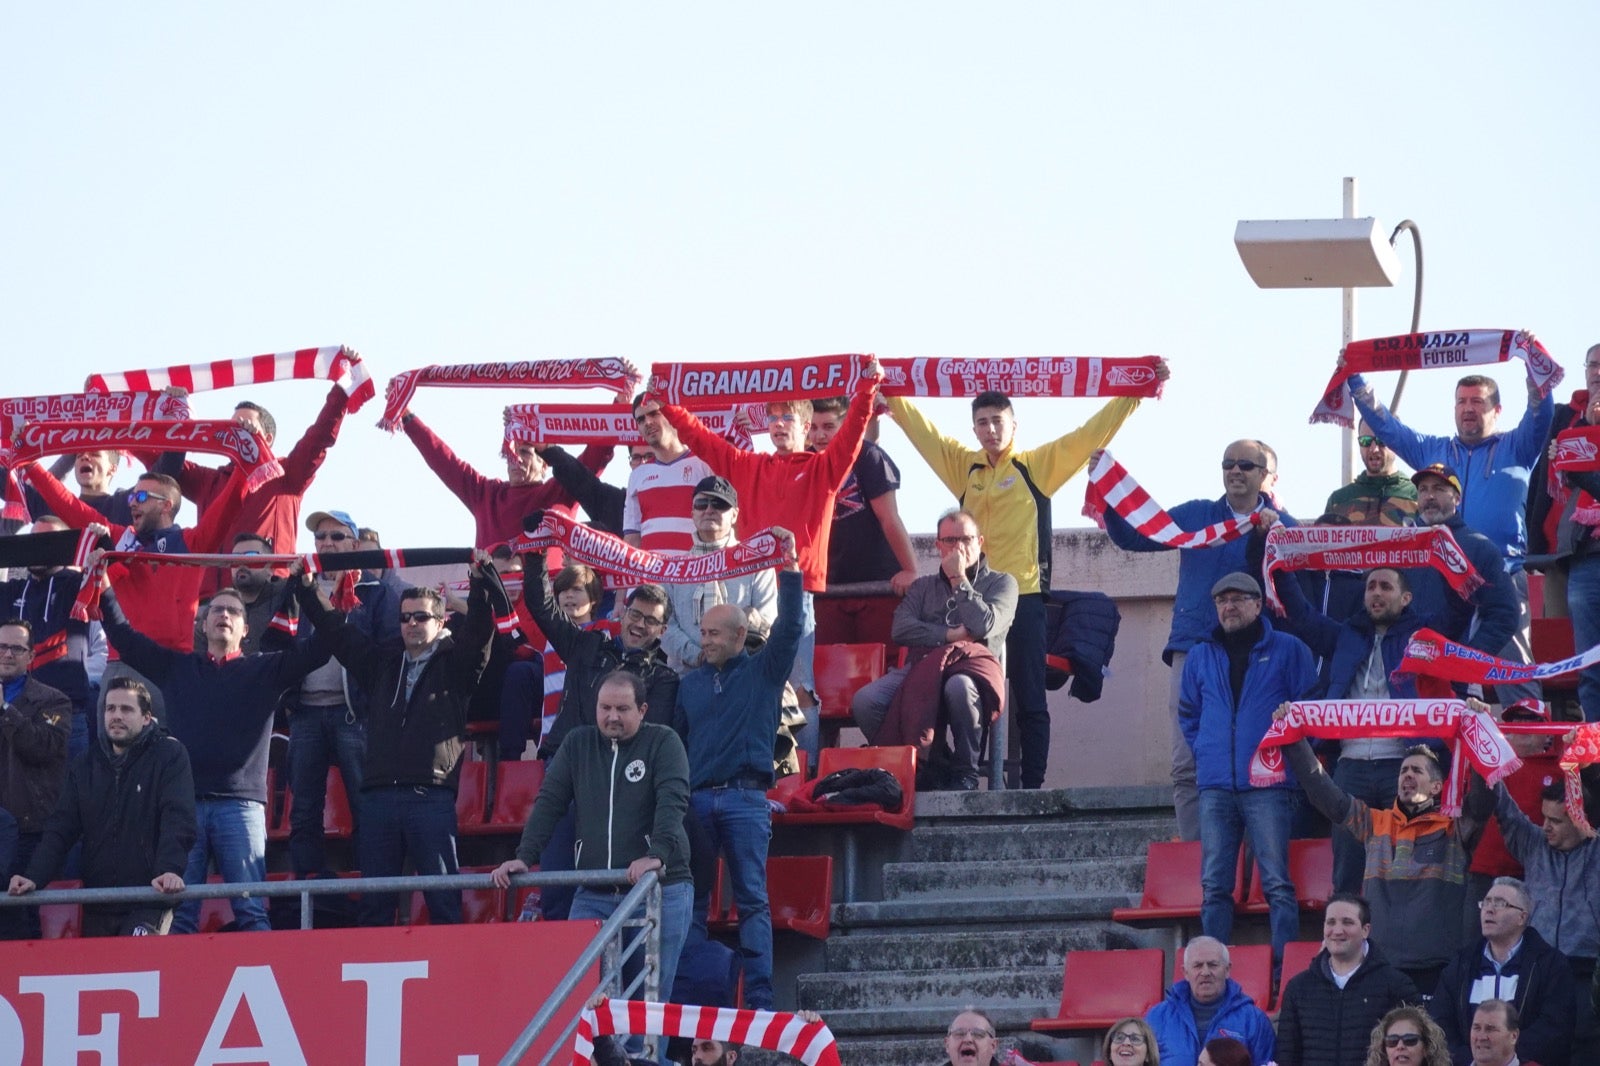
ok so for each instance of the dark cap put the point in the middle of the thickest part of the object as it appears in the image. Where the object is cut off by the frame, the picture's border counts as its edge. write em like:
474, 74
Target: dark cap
1237, 582
718, 488
1440, 471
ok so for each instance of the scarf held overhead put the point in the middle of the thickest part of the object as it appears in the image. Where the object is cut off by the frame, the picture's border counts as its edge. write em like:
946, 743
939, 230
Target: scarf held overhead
1111, 487
216, 437
608, 424
1053, 376
698, 385
333, 362
613, 374
1424, 351
635, 565
1364, 547
1582, 750
810, 1042
1472, 734
1577, 451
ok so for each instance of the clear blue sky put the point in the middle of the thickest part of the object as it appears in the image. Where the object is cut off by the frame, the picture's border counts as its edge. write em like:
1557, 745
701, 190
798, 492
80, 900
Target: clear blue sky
457, 183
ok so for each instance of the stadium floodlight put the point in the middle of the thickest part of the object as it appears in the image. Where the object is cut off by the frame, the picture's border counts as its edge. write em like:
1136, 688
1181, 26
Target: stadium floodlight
1317, 253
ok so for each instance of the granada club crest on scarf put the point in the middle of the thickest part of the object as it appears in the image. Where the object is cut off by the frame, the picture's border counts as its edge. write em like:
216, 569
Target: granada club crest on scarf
216, 437
1577, 451
333, 362
810, 1042
1426, 351
1364, 547
613, 374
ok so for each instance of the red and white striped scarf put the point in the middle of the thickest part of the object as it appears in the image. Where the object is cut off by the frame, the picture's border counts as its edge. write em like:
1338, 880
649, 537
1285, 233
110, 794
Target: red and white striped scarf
1110, 486
810, 1042
1582, 750
333, 362
610, 424
216, 437
1473, 737
1423, 351
612, 374
1578, 450
1364, 547
635, 566
1054, 376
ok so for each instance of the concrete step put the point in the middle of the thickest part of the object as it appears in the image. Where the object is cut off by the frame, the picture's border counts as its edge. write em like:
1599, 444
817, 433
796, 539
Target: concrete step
1001, 880
1031, 945
980, 913
1088, 839
928, 1020
1034, 804
948, 988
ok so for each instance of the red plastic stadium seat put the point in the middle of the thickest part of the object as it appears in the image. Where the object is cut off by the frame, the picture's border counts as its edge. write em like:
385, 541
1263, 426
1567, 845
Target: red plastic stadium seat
479, 906
1297, 956
900, 761
515, 790
1251, 967
337, 822
1311, 870
840, 671
472, 796
1171, 884
214, 913
1098, 987
61, 921
800, 891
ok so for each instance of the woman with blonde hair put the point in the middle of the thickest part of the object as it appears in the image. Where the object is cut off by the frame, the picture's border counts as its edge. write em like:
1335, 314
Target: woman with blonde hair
1130, 1042
1408, 1037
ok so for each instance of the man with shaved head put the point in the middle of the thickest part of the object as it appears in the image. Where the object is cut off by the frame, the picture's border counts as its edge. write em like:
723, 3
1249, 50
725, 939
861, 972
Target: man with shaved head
728, 711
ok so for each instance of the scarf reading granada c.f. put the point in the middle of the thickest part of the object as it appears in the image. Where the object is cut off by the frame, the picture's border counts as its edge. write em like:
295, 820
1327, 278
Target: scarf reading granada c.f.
1421, 351
217, 437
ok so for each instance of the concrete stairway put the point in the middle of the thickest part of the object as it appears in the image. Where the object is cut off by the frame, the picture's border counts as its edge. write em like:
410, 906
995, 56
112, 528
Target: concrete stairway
987, 896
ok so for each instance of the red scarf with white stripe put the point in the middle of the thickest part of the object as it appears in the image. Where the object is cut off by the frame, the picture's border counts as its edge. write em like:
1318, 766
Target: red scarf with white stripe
1111, 487
1054, 376
612, 374
1578, 450
333, 362
217, 437
610, 424
1422, 351
1364, 547
810, 1042
1473, 736
612, 554
1582, 750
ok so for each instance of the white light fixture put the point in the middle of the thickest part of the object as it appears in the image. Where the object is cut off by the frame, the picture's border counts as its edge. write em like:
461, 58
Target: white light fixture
1318, 253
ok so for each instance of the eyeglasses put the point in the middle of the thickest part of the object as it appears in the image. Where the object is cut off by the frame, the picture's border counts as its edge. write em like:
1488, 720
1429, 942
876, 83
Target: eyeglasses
976, 1034
418, 617
15, 649
633, 616
635, 458
707, 503
1367, 440
1491, 905
956, 542
1127, 1038
335, 535
1396, 1039
1246, 465
225, 608
144, 496
1232, 601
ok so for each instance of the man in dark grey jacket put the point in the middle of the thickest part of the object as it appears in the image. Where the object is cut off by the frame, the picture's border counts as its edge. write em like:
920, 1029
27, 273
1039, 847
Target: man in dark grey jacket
627, 781
964, 601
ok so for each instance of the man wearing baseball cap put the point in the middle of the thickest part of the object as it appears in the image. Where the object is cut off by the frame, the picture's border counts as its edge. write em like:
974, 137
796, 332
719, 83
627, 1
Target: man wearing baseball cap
1233, 681
715, 511
1487, 619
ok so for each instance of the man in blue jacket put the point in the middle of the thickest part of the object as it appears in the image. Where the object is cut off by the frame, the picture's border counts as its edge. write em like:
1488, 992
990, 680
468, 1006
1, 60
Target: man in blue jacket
1206, 1004
1248, 467
1233, 681
728, 711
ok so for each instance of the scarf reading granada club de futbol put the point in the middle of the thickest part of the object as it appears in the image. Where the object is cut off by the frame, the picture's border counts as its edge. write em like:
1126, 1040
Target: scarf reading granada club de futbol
634, 566
1364, 547
1112, 487
1421, 351
333, 362
613, 374
1472, 734
810, 1042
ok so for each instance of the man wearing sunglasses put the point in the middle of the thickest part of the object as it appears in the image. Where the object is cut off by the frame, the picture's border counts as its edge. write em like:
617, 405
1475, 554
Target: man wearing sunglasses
1510, 962
715, 509
1248, 467
1380, 495
415, 709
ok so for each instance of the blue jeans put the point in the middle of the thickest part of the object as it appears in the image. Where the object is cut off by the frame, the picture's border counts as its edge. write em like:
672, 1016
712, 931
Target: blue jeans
1374, 782
400, 820
555, 902
231, 836
318, 738
1262, 816
739, 823
1025, 669
1583, 603
677, 901
521, 701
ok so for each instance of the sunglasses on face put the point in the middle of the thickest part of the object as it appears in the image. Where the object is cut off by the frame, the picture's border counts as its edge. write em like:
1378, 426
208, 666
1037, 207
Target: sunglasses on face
1397, 1039
1367, 440
417, 617
1246, 465
144, 496
705, 503
335, 535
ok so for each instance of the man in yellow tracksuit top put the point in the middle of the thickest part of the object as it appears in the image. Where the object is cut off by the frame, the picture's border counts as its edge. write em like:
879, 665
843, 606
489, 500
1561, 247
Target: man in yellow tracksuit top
1008, 492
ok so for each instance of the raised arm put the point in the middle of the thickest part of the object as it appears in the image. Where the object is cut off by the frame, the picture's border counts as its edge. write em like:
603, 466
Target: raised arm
306, 457
459, 477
